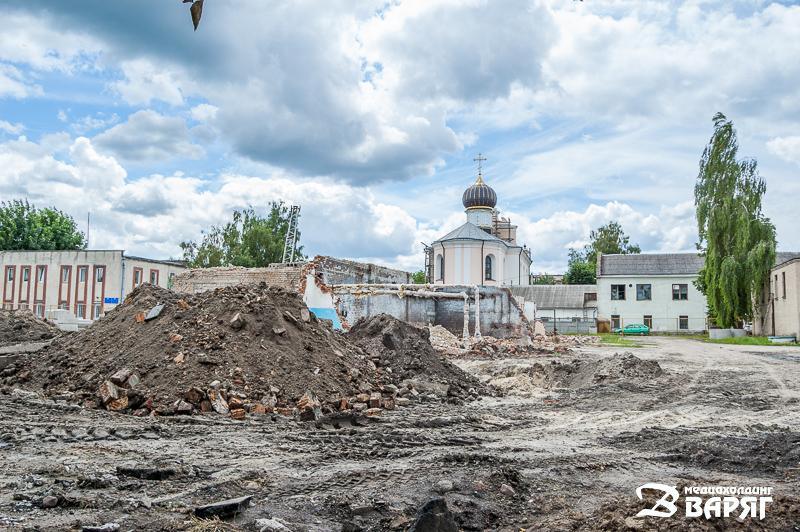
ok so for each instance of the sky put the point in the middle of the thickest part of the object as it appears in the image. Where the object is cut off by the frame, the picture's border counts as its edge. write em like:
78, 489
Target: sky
369, 114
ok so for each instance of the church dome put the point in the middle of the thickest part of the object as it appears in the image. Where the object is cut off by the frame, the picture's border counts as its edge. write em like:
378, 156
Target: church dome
479, 195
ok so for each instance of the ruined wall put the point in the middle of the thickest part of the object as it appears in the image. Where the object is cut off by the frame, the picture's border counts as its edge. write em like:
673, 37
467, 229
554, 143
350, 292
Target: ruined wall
203, 279
500, 315
329, 270
339, 271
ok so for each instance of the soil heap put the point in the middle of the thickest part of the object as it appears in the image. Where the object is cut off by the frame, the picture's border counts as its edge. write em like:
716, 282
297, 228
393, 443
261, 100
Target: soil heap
581, 373
236, 349
19, 326
405, 356
521, 378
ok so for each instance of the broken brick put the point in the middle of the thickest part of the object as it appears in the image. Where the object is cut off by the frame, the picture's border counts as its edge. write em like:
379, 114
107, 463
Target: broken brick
238, 414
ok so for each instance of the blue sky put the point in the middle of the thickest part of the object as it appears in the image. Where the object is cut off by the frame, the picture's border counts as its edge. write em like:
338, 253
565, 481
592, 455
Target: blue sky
369, 114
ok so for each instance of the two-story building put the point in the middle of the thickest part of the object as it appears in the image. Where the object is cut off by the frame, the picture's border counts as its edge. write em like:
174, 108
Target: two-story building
656, 289
85, 282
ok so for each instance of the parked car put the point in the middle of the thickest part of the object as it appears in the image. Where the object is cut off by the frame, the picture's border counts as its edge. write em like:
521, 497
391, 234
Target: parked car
633, 329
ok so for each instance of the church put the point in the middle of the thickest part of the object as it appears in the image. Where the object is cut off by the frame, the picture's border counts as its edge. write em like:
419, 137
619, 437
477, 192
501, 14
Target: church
483, 251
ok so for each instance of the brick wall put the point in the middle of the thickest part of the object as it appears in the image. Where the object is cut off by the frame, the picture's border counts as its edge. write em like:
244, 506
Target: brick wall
339, 271
203, 279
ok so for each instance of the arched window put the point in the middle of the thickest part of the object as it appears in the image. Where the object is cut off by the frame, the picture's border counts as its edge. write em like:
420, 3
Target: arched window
440, 268
488, 268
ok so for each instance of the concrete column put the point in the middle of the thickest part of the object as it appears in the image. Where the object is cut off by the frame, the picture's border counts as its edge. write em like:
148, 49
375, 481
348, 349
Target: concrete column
465, 333
477, 312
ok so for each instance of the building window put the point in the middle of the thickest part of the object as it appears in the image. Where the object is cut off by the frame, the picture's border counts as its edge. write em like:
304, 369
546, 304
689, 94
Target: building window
488, 267
40, 273
100, 274
644, 292
137, 277
648, 321
26, 274
65, 273
683, 323
615, 321
154, 277
81, 310
440, 264
617, 292
10, 273
82, 274
680, 292
783, 278
589, 296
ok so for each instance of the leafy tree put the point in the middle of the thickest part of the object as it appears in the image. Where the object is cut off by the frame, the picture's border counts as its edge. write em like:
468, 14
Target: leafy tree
419, 277
607, 239
249, 240
735, 237
545, 279
24, 227
579, 270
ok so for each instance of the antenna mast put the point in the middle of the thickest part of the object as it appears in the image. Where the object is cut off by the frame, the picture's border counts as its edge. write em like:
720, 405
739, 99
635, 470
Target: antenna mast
290, 243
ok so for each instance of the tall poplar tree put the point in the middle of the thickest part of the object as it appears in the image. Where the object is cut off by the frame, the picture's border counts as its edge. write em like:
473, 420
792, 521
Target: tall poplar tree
737, 240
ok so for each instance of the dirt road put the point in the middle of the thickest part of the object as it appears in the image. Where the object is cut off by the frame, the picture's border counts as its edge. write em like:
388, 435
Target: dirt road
563, 458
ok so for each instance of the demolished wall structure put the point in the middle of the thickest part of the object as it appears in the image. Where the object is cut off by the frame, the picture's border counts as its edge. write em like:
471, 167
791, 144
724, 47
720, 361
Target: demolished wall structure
344, 291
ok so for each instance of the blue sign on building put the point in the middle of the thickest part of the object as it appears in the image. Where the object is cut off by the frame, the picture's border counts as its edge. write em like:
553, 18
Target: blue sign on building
111, 300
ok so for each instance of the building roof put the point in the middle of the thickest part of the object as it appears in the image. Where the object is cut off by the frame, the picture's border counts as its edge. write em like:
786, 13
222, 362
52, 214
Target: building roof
782, 257
172, 262
470, 231
666, 263
651, 264
555, 296
479, 195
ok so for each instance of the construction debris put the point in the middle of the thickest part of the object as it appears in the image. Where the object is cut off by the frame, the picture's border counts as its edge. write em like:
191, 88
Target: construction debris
405, 358
20, 326
167, 363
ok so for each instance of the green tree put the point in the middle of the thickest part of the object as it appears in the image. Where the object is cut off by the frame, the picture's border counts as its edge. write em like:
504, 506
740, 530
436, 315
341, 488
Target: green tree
579, 270
609, 239
419, 277
545, 279
24, 227
606, 239
736, 239
249, 240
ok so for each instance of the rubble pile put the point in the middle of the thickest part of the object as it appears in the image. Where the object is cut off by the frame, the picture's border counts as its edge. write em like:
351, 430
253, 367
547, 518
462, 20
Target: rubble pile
518, 377
404, 355
444, 341
581, 373
20, 326
234, 350
521, 347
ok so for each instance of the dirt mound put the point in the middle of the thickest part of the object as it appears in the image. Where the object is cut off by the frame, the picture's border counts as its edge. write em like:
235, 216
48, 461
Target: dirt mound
520, 378
407, 357
580, 373
19, 326
250, 348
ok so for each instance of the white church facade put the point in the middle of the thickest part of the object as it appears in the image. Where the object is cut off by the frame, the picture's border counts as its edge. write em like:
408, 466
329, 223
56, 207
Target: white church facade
483, 251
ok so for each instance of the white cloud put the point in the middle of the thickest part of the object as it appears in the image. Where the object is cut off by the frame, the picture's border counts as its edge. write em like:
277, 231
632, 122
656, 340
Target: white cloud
146, 81
152, 215
11, 129
149, 136
787, 148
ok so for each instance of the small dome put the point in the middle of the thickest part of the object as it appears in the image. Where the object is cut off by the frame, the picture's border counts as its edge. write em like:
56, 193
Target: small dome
479, 195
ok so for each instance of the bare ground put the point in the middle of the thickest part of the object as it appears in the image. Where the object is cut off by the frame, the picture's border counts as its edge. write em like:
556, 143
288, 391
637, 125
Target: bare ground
572, 457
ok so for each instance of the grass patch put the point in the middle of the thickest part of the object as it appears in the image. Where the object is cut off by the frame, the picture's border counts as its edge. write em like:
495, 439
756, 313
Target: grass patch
742, 340
619, 340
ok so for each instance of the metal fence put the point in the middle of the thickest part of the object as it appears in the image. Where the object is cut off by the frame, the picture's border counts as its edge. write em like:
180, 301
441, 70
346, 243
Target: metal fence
570, 325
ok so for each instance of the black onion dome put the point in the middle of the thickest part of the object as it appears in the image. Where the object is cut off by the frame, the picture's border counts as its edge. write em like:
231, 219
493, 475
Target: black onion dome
479, 195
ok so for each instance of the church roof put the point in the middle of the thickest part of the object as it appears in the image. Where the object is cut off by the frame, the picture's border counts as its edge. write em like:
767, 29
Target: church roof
470, 231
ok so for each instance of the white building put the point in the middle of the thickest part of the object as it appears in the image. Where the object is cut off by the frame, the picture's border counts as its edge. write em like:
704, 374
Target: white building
85, 282
656, 289
483, 251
